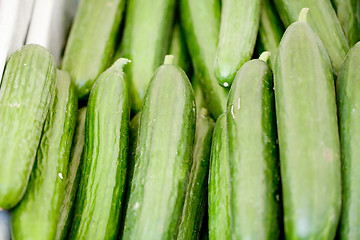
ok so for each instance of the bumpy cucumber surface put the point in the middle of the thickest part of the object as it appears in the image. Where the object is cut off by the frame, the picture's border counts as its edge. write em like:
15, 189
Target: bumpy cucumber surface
348, 102
163, 156
348, 12
308, 135
91, 42
100, 194
27, 88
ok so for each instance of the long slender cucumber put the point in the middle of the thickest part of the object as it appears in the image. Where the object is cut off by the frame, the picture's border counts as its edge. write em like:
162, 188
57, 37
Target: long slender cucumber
348, 12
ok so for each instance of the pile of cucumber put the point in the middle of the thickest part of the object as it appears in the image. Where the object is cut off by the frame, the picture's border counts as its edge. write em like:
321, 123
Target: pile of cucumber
188, 119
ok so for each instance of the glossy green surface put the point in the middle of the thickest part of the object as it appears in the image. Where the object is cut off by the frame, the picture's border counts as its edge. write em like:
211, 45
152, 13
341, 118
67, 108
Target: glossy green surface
239, 27
199, 99
91, 41
200, 21
38, 213
348, 102
178, 50
348, 12
196, 194
163, 156
27, 87
219, 183
308, 135
100, 195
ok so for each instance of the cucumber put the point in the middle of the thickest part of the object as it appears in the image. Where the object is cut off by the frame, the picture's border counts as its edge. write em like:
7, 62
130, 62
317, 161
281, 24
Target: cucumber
178, 50
196, 194
348, 12
200, 21
239, 27
26, 91
73, 179
91, 41
199, 99
100, 194
145, 41
219, 183
322, 18
163, 156
308, 135
38, 213
348, 102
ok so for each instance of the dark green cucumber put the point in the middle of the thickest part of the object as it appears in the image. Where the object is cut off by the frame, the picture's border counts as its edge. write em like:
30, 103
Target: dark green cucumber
38, 213
219, 183
348, 103
73, 179
27, 87
196, 194
348, 12
253, 157
163, 156
308, 135
178, 49
322, 18
200, 20
91, 42
239, 27
100, 194
145, 41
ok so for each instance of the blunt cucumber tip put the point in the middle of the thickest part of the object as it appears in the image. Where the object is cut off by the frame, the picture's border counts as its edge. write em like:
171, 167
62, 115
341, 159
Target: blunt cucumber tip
169, 59
120, 63
303, 15
265, 56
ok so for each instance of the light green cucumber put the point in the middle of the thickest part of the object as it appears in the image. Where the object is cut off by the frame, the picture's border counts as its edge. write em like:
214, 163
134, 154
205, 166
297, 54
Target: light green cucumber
178, 49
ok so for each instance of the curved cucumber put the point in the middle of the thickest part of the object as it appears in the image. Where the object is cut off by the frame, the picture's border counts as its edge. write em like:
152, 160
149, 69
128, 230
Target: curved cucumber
308, 135
348, 12
100, 194
348, 102
196, 194
163, 156
239, 27
219, 183
38, 213
27, 88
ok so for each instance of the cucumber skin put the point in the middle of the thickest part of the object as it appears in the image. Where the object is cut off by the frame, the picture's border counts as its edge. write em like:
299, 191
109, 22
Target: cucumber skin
26, 104
178, 50
348, 102
73, 179
102, 182
219, 183
348, 12
38, 213
200, 21
162, 139
90, 46
322, 18
196, 194
308, 135
239, 27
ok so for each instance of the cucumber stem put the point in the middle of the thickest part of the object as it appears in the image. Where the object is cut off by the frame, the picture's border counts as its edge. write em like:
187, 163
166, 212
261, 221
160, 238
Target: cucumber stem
265, 56
169, 59
303, 15
120, 63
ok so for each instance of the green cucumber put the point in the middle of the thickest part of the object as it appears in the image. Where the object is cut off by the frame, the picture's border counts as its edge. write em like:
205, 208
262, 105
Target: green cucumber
178, 49
219, 183
145, 41
200, 21
239, 27
322, 18
27, 87
100, 194
91, 41
348, 12
348, 103
253, 156
308, 134
163, 156
38, 213
196, 194
73, 179
199, 99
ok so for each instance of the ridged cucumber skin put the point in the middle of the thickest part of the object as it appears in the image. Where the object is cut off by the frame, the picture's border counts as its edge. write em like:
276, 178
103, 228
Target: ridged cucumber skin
200, 21
348, 12
163, 157
73, 179
27, 87
238, 31
219, 183
178, 49
253, 157
38, 213
90, 46
100, 194
196, 194
348, 103
308, 135
322, 18
145, 42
